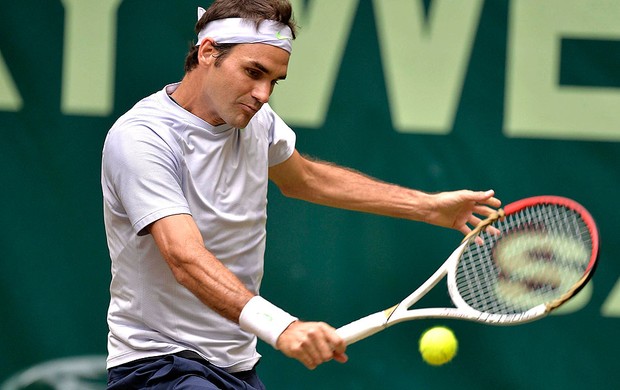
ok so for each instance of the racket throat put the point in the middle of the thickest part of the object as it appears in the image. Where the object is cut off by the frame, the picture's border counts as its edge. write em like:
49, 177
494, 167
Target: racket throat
388, 314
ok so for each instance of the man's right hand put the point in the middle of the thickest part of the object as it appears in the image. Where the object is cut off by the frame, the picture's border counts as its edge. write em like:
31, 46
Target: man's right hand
312, 343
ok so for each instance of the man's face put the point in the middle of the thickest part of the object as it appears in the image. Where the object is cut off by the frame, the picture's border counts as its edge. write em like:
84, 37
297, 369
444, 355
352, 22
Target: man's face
237, 88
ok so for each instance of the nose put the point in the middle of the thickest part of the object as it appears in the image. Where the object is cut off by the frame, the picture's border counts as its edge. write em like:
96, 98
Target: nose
262, 91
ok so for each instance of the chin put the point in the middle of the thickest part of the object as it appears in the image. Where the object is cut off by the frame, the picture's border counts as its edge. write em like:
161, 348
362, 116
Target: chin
240, 123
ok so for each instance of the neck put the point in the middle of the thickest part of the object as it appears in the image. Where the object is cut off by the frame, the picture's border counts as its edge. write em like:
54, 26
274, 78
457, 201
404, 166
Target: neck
187, 95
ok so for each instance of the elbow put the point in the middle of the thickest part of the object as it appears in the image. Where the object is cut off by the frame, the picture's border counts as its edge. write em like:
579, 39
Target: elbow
300, 190
175, 257
289, 191
177, 268
182, 277
298, 178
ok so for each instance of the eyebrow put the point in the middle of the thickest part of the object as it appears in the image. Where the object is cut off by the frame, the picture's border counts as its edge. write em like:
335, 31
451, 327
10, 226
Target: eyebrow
262, 68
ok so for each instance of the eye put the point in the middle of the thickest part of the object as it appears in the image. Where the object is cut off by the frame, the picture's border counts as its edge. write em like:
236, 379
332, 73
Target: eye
253, 73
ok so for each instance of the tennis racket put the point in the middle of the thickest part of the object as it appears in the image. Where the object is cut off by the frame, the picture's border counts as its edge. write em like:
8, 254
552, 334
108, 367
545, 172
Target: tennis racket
545, 252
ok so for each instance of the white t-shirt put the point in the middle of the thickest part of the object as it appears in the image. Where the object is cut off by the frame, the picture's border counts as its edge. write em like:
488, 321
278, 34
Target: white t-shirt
160, 160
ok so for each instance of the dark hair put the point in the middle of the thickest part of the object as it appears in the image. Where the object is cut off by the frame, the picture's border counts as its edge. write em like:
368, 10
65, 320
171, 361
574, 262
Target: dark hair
256, 10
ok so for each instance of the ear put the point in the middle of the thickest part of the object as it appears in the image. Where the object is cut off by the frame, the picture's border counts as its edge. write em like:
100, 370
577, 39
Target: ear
206, 52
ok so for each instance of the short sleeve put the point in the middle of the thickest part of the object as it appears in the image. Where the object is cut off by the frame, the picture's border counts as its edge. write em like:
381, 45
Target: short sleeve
281, 138
141, 176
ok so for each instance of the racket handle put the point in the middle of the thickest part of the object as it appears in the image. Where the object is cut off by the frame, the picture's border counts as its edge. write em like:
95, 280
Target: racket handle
362, 328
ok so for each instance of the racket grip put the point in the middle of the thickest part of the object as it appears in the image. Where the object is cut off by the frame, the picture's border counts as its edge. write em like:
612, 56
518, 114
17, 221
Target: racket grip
362, 328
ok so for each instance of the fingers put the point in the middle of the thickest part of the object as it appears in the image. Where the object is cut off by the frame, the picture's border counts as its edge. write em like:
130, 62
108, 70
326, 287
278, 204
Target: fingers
315, 348
312, 343
341, 357
484, 210
488, 198
473, 220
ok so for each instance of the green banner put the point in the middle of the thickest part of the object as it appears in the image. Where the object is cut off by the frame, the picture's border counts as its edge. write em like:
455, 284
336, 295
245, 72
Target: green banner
521, 96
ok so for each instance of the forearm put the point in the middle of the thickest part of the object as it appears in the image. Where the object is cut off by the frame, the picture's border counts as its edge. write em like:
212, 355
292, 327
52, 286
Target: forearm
197, 269
220, 289
335, 186
344, 188
211, 282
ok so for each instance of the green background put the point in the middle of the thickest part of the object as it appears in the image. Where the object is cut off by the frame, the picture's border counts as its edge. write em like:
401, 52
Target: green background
321, 264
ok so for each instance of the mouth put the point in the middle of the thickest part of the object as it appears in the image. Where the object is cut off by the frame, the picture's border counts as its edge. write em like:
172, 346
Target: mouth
249, 108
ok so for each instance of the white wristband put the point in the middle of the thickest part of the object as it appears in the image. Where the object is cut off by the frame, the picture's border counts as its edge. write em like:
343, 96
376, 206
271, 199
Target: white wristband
264, 319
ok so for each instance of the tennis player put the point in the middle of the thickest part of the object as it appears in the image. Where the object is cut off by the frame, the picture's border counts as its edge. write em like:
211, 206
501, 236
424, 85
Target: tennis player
184, 180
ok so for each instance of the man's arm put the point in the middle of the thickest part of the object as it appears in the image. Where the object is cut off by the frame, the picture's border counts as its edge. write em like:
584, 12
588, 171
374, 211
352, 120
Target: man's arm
334, 186
198, 270
194, 267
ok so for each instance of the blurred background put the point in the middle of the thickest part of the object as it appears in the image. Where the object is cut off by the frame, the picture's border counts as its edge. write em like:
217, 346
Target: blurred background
521, 96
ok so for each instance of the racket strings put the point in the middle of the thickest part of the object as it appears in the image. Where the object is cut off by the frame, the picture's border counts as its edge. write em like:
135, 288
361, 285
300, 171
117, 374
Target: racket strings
540, 254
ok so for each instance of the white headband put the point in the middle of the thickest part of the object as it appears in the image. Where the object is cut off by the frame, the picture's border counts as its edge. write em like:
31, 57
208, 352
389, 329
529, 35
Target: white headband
238, 30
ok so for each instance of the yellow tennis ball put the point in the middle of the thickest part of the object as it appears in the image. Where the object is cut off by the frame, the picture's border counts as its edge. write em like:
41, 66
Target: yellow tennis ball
438, 345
